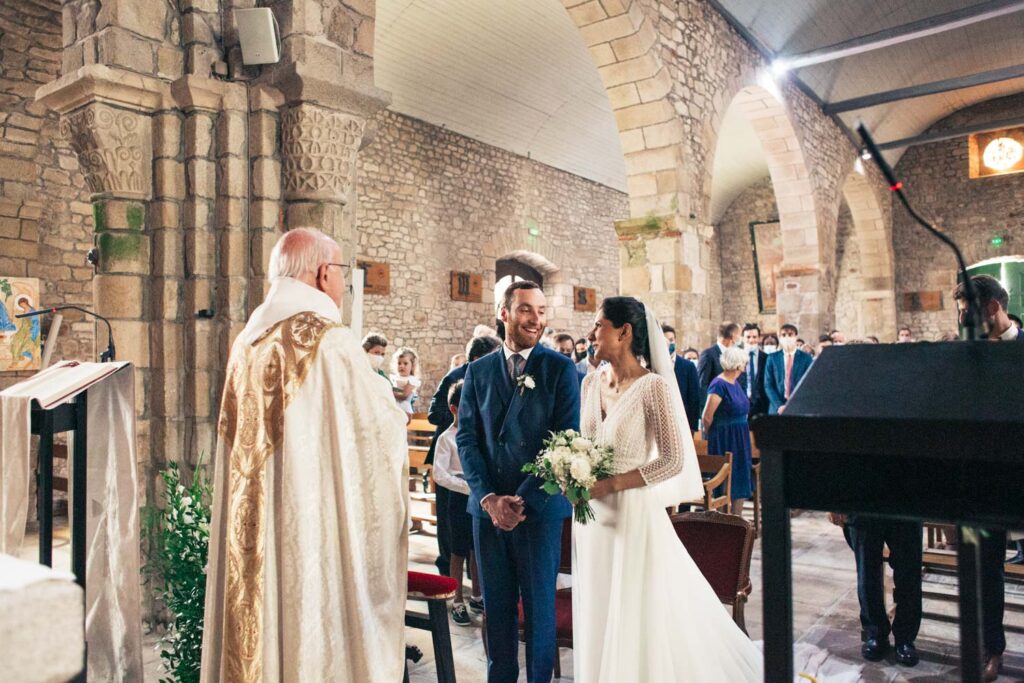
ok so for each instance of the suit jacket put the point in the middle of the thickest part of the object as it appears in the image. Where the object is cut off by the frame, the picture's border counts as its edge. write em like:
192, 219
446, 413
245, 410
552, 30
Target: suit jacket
689, 389
502, 427
439, 414
758, 397
775, 377
709, 366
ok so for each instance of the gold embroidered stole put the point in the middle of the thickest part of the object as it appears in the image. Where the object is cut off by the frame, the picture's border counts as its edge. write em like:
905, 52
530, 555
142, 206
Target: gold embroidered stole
263, 378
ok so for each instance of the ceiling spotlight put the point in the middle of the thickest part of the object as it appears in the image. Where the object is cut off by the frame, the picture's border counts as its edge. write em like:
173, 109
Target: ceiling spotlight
780, 66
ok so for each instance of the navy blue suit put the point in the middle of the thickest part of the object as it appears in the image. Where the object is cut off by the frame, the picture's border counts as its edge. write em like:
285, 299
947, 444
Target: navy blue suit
758, 397
689, 388
775, 377
502, 428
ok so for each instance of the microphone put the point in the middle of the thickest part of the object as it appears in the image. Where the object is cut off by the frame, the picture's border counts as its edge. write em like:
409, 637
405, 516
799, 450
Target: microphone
107, 355
973, 319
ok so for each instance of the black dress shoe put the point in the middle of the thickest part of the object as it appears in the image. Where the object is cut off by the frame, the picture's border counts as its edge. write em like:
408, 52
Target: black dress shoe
1016, 559
906, 654
873, 649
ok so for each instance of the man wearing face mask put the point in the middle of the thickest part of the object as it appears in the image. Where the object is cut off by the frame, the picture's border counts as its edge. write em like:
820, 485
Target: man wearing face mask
566, 346
753, 378
588, 363
783, 371
686, 378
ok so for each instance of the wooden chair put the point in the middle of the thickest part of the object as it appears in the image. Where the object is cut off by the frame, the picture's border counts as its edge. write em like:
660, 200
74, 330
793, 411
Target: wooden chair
420, 431
418, 468
715, 470
435, 591
755, 468
721, 546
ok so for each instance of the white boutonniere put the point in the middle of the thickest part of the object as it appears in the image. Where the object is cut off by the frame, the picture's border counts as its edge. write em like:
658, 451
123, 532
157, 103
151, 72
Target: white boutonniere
525, 382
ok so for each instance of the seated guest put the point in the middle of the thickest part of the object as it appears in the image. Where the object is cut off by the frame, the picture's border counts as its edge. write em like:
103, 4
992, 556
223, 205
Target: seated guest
454, 523
405, 378
783, 371
992, 300
904, 336
440, 416
686, 378
709, 366
725, 424
375, 345
867, 536
458, 360
565, 345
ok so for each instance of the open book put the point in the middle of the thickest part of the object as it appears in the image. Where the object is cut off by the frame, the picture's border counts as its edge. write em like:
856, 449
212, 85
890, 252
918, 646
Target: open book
63, 381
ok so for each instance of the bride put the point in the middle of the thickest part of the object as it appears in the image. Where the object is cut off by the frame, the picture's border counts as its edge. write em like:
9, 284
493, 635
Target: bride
642, 610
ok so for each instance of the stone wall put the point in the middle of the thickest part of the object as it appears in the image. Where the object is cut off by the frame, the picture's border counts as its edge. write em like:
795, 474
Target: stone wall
45, 217
432, 201
848, 267
737, 276
971, 211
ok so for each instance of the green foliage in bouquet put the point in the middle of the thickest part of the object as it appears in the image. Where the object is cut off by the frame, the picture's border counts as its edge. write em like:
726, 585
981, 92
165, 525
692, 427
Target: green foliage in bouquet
178, 536
571, 464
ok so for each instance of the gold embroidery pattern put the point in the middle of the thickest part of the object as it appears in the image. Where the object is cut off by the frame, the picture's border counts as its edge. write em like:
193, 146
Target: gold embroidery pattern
263, 377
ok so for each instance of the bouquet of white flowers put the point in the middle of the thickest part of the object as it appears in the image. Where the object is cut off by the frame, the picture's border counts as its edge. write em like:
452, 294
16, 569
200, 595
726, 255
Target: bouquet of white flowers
571, 464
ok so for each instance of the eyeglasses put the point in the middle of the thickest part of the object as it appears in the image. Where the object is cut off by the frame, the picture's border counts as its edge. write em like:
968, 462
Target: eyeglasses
346, 270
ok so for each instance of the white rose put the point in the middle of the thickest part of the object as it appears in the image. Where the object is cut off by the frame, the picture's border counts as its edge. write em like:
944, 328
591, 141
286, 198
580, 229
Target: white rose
529, 383
581, 444
580, 470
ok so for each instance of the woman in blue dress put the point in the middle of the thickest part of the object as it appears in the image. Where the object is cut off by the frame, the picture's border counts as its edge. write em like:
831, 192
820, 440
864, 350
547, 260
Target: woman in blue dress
725, 424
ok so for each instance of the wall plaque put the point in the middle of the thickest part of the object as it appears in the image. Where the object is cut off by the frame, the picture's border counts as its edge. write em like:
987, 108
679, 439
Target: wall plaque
584, 299
467, 287
377, 278
922, 301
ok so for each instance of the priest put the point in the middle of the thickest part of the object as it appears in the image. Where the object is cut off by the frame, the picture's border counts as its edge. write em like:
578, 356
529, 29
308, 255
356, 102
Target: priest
308, 543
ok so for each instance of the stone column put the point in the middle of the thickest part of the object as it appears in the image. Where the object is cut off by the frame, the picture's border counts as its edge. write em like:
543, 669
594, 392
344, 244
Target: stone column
663, 261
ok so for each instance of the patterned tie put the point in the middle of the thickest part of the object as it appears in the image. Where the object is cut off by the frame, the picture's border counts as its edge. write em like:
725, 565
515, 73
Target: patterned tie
789, 373
516, 363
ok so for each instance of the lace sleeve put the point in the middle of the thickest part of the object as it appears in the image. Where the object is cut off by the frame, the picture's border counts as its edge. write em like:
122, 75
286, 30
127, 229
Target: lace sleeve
588, 420
660, 415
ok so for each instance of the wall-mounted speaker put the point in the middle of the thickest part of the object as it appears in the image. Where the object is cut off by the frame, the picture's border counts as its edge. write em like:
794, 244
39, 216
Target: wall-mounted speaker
259, 36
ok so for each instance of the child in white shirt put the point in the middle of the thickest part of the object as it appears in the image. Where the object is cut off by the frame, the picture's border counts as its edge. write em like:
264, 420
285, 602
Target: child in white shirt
454, 522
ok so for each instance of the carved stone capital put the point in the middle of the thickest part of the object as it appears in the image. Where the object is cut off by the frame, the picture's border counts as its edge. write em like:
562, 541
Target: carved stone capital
318, 150
114, 148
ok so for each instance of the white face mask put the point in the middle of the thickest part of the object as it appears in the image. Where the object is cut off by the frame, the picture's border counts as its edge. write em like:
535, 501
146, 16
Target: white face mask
695, 361
788, 343
770, 348
376, 362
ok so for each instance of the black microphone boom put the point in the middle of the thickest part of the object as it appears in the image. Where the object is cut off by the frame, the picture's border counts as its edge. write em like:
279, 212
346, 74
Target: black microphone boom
973, 319
107, 355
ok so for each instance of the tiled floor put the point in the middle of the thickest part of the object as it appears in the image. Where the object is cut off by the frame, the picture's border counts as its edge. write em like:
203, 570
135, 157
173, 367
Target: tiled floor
825, 614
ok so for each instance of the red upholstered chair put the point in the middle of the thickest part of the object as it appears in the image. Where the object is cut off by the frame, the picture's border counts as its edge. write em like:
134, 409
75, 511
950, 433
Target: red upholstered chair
720, 546
435, 590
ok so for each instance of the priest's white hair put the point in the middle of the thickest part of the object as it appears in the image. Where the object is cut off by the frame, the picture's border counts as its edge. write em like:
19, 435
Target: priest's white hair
300, 251
733, 358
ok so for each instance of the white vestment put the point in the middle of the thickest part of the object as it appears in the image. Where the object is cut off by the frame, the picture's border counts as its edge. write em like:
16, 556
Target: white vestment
307, 570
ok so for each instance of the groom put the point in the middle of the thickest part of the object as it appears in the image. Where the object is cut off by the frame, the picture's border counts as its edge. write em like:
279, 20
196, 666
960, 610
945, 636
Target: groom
511, 401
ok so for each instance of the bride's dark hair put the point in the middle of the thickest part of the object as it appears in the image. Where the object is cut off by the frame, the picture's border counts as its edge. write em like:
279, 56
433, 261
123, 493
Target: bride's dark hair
619, 310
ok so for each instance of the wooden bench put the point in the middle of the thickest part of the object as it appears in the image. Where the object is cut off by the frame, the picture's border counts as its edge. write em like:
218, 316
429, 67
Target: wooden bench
418, 468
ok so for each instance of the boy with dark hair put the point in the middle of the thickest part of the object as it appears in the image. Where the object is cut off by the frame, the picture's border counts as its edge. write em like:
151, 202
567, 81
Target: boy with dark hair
453, 521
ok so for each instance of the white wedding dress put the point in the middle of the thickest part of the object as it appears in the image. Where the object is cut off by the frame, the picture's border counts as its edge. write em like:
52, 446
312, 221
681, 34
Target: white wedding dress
642, 610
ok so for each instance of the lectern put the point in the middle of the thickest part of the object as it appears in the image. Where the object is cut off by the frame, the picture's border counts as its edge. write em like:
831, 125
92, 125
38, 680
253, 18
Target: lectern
915, 431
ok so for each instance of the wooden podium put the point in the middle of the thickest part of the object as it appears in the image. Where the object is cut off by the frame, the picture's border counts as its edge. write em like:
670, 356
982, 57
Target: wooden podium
911, 430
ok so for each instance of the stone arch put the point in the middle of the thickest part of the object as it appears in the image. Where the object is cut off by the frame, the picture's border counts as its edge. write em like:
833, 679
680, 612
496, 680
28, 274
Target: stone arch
799, 299
622, 41
557, 287
873, 285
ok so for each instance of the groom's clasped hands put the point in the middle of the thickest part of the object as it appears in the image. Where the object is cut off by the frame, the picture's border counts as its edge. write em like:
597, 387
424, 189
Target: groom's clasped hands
506, 511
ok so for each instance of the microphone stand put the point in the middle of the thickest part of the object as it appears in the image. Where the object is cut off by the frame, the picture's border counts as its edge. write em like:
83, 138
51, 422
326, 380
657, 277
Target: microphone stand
972, 319
105, 357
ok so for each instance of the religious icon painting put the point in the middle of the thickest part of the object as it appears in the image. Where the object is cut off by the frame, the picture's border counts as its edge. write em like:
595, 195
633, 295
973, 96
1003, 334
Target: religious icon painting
766, 239
21, 345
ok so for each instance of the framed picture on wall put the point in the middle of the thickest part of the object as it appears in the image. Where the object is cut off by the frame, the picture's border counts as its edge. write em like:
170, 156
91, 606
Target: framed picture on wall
20, 338
766, 246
